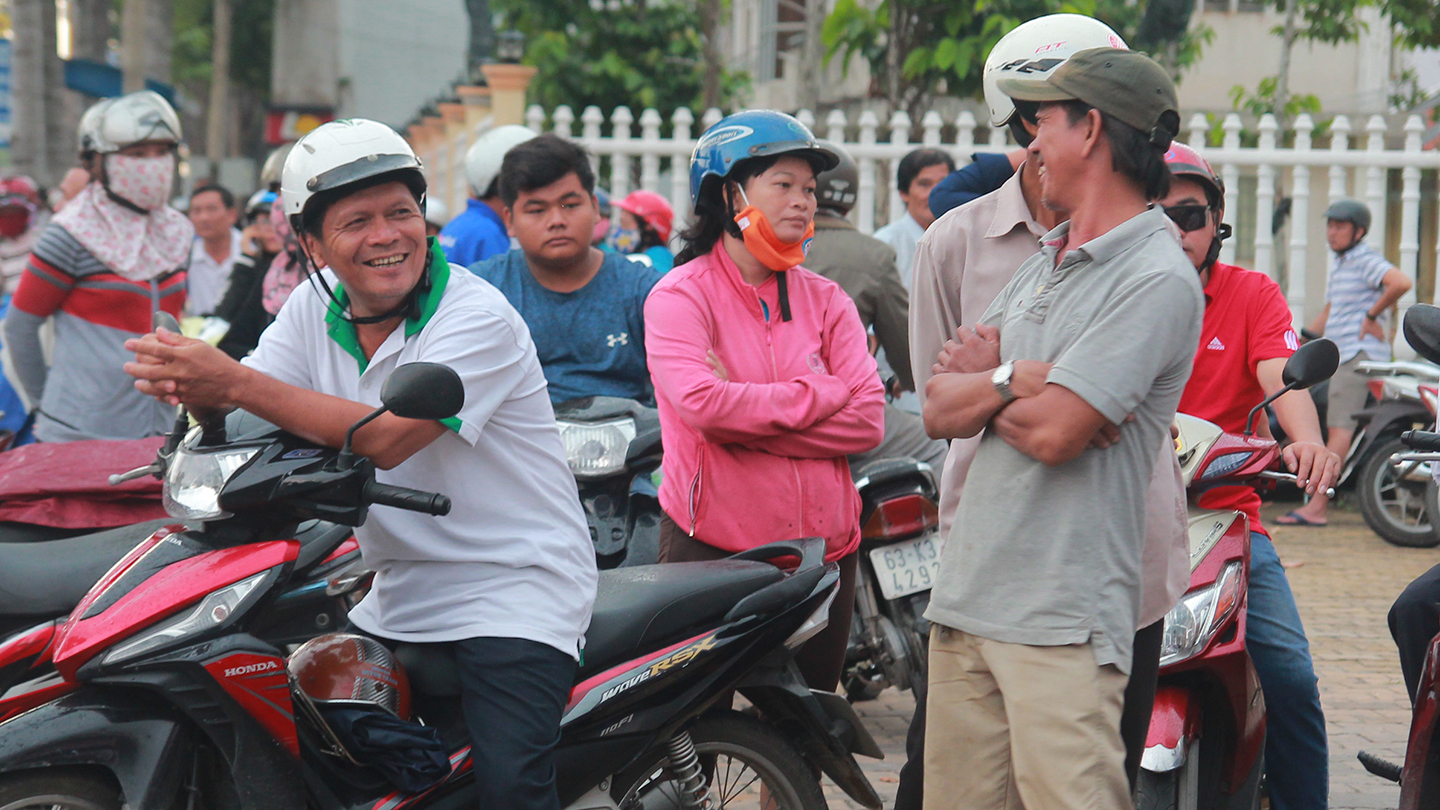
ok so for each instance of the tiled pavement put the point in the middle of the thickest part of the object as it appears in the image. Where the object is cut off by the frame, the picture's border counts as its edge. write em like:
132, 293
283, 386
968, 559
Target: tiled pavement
1344, 578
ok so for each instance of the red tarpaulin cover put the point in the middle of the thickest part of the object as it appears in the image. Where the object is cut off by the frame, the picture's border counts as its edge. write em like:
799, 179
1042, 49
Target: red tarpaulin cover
66, 484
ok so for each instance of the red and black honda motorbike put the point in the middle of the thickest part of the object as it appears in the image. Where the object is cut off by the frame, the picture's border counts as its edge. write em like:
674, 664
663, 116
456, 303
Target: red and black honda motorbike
169, 697
1206, 744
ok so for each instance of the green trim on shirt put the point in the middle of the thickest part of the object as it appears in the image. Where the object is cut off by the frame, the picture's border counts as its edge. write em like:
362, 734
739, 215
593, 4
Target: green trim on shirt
343, 332
452, 422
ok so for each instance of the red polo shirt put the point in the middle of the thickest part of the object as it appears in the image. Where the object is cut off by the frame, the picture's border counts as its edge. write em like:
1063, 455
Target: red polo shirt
1246, 321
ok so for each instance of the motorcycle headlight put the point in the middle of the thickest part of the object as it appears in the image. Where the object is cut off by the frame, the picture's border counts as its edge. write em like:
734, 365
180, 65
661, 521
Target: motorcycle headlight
597, 449
194, 480
211, 612
1199, 615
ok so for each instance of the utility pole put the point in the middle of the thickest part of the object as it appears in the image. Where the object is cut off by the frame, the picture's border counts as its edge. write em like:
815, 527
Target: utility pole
133, 20
219, 84
39, 142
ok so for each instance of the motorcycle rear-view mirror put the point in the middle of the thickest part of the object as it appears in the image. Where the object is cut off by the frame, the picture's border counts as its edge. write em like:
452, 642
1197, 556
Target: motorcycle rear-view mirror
164, 320
428, 391
423, 391
1422, 331
1312, 364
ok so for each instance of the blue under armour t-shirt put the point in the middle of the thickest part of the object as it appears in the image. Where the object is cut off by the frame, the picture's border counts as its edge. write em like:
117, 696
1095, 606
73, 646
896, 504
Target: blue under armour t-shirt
591, 341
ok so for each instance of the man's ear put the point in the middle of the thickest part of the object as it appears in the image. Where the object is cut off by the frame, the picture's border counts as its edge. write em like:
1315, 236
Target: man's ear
313, 248
507, 214
1095, 125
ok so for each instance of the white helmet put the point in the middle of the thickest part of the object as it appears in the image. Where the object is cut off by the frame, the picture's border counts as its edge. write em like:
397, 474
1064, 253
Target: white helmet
437, 213
115, 123
274, 164
1044, 42
482, 161
339, 153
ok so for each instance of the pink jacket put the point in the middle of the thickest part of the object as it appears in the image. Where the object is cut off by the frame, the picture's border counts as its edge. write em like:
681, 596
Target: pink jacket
761, 457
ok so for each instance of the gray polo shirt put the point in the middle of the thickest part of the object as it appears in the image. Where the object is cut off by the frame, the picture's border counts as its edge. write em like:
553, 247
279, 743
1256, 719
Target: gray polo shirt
1049, 556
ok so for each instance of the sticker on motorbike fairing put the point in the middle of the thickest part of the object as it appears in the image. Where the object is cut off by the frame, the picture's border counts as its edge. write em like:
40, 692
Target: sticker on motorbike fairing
304, 453
676, 660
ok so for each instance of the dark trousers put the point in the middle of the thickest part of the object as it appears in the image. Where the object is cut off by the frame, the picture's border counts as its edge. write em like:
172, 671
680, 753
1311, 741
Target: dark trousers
513, 693
821, 659
1134, 721
1414, 621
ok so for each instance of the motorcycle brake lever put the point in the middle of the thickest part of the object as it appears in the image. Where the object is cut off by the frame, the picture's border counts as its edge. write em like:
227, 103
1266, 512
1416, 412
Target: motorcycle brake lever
1281, 476
117, 479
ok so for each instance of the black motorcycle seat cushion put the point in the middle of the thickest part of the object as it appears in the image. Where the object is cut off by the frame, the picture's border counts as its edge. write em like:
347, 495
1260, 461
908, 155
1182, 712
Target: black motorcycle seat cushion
636, 609
648, 605
48, 579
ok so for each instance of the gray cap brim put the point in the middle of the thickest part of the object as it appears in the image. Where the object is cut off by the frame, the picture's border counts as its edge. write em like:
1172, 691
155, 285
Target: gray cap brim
1031, 89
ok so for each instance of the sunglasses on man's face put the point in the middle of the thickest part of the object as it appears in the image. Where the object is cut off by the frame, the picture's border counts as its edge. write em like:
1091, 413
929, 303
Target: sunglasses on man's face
1188, 218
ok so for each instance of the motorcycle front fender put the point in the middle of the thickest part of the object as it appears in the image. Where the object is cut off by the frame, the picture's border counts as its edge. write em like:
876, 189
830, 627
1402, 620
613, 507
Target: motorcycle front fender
143, 742
1173, 726
822, 724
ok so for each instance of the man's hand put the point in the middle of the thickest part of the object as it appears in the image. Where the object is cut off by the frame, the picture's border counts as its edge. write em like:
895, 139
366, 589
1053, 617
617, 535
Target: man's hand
175, 369
716, 366
970, 352
1315, 467
1372, 328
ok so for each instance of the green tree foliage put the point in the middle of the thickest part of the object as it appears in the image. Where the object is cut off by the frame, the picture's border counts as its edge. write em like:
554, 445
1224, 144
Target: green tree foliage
916, 48
631, 52
250, 40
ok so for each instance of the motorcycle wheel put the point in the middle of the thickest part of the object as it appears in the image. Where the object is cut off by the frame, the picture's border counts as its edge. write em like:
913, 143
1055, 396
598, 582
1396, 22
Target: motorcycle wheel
917, 652
58, 790
1157, 791
748, 763
1395, 509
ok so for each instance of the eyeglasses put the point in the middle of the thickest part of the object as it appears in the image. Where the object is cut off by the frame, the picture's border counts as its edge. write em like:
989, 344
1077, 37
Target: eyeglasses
1188, 217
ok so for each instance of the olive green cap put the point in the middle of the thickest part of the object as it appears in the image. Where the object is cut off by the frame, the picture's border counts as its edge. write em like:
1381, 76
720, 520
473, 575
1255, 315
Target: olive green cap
1128, 85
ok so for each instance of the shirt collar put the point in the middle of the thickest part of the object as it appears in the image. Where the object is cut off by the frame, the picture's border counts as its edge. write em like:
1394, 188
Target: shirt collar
483, 209
1219, 275
1113, 242
827, 222
1011, 211
343, 332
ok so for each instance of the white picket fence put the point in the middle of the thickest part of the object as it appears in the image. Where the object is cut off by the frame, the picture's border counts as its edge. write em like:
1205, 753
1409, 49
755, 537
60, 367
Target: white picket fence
1356, 163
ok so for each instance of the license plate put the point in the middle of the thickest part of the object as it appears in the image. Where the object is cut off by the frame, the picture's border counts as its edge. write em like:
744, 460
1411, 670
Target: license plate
908, 567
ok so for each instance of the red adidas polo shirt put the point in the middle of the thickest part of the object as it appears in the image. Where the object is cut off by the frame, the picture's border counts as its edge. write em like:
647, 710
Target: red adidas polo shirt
1246, 321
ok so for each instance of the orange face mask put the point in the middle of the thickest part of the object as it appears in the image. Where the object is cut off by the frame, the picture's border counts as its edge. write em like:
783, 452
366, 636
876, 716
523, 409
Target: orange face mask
763, 244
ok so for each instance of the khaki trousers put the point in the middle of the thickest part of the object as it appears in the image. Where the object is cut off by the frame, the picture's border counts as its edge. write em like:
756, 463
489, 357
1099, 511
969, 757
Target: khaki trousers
1011, 726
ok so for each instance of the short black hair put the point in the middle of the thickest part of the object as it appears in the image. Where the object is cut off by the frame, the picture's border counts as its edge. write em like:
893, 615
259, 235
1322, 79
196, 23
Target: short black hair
918, 161
1024, 111
1131, 152
226, 195
540, 161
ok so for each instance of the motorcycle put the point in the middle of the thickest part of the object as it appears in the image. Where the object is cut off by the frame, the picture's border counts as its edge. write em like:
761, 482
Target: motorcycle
167, 698
1206, 742
613, 448
899, 563
1419, 776
1392, 496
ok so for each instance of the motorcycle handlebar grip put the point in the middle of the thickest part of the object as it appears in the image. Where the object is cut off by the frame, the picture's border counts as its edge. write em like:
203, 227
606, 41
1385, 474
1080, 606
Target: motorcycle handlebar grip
406, 498
1422, 440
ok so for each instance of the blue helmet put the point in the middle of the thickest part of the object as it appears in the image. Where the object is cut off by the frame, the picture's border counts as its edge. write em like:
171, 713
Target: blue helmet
752, 134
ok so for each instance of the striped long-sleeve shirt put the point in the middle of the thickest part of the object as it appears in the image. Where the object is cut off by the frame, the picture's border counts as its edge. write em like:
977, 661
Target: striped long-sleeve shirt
85, 392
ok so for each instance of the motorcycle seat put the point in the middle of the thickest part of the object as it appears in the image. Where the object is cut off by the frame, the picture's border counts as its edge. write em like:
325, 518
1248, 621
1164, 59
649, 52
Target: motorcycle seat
637, 609
48, 579
885, 470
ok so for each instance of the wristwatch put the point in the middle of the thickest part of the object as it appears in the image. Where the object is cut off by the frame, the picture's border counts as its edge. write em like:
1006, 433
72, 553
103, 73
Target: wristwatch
1001, 380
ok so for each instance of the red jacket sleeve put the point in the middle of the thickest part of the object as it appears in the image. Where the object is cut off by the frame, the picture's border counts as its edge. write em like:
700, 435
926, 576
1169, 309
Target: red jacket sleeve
43, 288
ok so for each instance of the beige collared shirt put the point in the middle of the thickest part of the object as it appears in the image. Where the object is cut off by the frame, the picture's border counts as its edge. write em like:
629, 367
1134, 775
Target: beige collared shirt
962, 263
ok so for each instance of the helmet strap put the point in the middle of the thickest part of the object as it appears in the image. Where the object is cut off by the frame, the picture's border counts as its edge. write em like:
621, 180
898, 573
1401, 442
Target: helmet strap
1222, 232
410, 307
